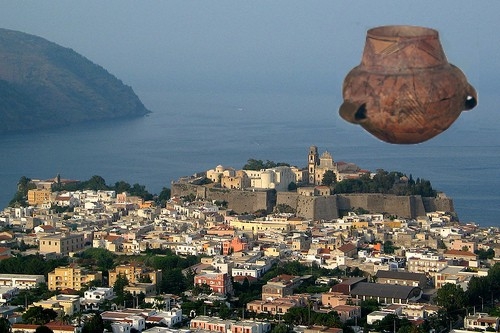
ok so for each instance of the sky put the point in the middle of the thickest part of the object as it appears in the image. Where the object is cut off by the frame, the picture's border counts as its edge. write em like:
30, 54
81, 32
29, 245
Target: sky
280, 45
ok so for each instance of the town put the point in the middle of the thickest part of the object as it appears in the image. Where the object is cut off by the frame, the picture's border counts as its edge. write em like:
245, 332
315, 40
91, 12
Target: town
268, 248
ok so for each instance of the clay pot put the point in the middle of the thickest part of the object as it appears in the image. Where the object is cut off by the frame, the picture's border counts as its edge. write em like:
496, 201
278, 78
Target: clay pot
404, 90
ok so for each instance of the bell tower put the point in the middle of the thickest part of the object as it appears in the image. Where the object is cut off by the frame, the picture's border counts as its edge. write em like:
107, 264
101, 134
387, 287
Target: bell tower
312, 162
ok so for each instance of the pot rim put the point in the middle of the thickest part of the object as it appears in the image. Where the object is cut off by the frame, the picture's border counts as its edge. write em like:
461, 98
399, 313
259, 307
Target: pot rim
402, 31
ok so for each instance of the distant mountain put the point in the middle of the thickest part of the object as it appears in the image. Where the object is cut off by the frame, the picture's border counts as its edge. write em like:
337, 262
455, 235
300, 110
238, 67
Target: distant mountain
44, 85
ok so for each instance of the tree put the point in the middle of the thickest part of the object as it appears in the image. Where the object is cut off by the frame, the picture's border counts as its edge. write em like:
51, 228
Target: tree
391, 321
23, 186
140, 191
438, 321
369, 306
281, 328
201, 289
452, 297
103, 258
164, 196
329, 178
253, 164
38, 315
260, 213
94, 324
121, 187
4, 325
189, 198
478, 288
483, 254
388, 247
173, 281
96, 183
224, 311
292, 186
284, 208
43, 329
119, 286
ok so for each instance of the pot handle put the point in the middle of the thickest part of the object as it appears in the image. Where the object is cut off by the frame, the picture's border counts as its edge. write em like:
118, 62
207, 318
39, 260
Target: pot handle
470, 99
353, 113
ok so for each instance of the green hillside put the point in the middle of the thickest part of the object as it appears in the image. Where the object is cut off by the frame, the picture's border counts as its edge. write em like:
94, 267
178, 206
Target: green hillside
44, 85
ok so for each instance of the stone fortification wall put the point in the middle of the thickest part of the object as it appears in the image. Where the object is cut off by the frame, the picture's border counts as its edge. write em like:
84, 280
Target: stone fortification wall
326, 208
442, 204
402, 206
184, 189
289, 198
320, 207
238, 200
314, 208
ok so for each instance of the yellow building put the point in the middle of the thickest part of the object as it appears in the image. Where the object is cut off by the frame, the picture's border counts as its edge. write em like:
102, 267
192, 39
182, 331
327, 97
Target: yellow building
62, 304
38, 196
261, 226
393, 224
71, 277
134, 274
360, 224
62, 243
239, 181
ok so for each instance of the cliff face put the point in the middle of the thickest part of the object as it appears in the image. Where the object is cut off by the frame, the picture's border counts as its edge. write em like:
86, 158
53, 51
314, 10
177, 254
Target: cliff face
320, 207
43, 85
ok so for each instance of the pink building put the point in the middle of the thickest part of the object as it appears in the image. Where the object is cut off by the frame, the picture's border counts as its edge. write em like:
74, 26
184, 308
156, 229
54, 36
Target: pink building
218, 282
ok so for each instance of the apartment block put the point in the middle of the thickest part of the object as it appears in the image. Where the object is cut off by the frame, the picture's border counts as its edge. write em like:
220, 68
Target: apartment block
135, 274
62, 243
218, 283
21, 281
71, 277
38, 196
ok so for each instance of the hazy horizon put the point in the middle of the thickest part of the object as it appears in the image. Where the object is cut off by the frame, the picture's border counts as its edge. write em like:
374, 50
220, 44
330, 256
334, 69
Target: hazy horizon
261, 46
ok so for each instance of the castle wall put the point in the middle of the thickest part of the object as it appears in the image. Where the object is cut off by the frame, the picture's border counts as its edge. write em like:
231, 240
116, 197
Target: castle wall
319, 207
402, 206
288, 198
325, 208
442, 204
238, 200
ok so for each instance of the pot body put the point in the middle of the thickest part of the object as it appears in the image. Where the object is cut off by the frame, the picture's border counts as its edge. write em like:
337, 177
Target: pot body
404, 90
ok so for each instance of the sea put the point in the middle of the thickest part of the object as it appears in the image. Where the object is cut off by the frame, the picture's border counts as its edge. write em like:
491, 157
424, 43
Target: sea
190, 132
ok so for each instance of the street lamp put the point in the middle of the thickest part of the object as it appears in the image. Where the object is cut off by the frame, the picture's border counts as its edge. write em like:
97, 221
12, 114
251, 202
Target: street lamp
482, 303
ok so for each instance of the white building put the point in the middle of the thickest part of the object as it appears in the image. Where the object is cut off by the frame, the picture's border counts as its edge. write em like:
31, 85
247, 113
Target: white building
250, 326
169, 318
481, 322
135, 319
277, 178
216, 174
376, 315
186, 249
95, 296
121, 327
21, 281
253, 270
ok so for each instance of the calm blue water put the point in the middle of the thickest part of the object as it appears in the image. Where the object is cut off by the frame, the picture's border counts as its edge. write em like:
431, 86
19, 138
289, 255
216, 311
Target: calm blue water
187, 133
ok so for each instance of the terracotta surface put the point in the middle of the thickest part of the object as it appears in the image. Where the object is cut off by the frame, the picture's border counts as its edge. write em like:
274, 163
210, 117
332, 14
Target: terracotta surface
405, 91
